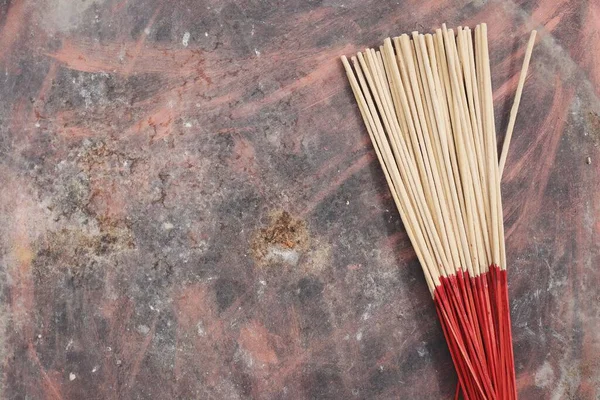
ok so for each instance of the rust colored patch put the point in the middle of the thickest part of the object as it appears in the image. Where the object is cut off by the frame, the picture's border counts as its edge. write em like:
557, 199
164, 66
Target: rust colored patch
283, 234
75, 249
254, 338
107, 169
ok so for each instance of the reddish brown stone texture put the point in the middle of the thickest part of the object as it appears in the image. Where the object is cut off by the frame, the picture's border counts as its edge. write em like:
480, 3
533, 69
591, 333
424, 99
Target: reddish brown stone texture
136, 172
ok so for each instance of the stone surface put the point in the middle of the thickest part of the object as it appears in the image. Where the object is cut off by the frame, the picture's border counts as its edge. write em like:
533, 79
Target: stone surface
149, 149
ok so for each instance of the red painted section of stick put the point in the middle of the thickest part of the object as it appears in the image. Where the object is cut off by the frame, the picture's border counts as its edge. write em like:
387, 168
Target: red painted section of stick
472, 386
475, 316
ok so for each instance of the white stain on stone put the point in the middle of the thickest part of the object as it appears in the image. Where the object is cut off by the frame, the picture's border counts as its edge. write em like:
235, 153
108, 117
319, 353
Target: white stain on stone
544, 376
261, 288
87, 97
143, 329
367, 314
65, 15
200, 329
186, 39
72, 376
279, 254
422, 351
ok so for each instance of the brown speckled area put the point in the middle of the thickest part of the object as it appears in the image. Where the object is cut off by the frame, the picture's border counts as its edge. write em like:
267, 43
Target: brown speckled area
146, 145
281, 241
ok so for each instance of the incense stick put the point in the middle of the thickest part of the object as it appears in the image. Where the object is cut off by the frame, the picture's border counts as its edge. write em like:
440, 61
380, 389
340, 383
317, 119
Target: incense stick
517, 101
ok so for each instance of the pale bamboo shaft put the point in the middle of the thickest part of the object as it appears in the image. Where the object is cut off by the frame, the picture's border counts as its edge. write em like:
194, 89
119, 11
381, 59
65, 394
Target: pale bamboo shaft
517, 101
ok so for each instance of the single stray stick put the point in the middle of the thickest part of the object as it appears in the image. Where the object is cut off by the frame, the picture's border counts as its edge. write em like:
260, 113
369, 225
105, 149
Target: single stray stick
515, 107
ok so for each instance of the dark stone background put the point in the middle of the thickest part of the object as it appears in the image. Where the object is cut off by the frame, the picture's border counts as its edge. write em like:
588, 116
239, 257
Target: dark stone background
190, 207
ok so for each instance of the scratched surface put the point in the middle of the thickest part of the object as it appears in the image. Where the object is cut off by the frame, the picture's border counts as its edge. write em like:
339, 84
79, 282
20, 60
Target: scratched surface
190, 207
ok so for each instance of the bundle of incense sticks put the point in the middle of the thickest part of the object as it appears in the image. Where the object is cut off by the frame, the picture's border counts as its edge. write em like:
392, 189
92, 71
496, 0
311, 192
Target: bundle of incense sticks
427, 105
